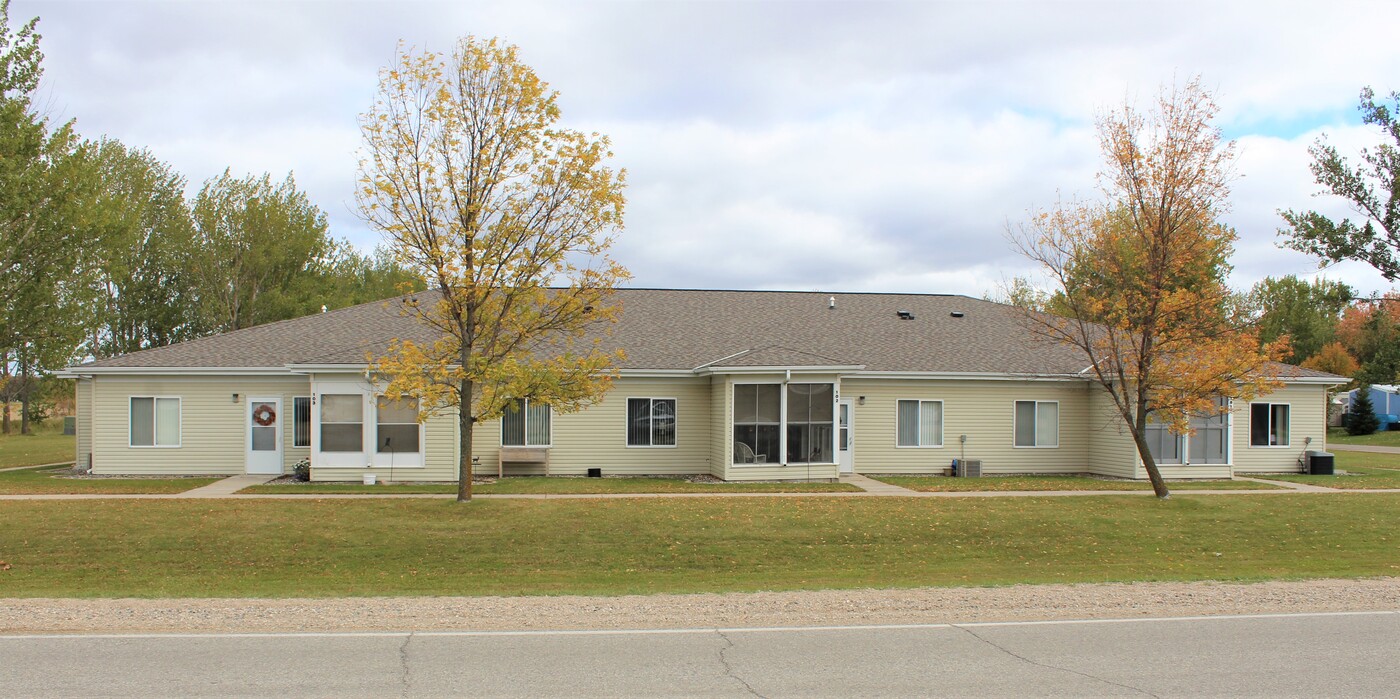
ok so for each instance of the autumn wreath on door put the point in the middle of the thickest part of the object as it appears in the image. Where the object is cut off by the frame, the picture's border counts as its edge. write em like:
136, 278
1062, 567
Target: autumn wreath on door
264, 415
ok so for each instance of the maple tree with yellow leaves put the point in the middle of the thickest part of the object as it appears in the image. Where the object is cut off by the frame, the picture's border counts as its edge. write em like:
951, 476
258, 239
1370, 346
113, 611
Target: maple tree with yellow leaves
508, 218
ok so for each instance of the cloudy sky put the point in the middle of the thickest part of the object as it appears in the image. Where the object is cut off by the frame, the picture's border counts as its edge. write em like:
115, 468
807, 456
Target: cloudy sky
855, 146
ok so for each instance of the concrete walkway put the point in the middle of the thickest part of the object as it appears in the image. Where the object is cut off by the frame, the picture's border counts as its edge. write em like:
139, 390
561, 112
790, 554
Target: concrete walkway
870, 485
21, 468
1301, 487
1288, 489
227, 486
1363, 447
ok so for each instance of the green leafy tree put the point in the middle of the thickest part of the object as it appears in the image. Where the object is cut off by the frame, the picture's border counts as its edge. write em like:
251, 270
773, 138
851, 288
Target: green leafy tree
1361, 416
255, 242
1371, 188
1304, 312
142, 255
42, 299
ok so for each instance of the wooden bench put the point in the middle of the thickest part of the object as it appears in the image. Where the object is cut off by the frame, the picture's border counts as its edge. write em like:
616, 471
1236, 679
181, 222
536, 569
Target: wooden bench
522, 455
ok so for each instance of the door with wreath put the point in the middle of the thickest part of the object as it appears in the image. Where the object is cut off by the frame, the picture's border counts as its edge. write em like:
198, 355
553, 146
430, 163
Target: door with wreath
264, 435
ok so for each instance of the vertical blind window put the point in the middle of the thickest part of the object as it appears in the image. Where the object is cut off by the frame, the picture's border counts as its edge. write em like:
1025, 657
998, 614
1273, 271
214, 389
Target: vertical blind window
155, 422
301, 421
342, 422
920, 423
1268, 425
525, 423
396, 426
651, 422
1037, 423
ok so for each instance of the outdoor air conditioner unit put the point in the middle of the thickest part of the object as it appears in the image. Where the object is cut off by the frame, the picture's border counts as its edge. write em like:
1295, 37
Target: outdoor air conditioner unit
967, 468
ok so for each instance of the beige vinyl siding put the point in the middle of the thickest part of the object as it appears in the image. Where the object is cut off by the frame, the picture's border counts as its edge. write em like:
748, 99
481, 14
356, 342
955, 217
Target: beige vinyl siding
83, 405
1307, 418
596, 437
439, 456
721, 450
982, 410
1112, 451
213, 428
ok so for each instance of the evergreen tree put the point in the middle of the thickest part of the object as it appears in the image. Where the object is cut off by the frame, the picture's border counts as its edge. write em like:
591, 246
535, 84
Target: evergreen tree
1361, 417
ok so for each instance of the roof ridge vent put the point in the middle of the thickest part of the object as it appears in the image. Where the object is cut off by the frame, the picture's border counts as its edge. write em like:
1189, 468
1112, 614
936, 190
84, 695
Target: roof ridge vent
905, 315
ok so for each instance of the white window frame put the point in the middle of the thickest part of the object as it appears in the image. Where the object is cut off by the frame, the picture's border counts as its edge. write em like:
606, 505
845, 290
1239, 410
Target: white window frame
627, 414
340, 459
180, 422
310, 424
942, 415
525, 410
1271, 405
783, 422
1036, 424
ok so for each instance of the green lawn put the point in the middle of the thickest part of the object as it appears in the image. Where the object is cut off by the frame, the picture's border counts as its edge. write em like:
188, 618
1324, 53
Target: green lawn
48, 445
1337, 435
320, 548
935, 484
1365, 471
47, 481
541, 484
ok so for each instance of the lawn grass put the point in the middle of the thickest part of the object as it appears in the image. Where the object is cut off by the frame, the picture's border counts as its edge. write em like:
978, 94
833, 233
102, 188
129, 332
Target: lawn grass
326, 548
1338, 435
558, 485
1366, 471
944, 484
48, 445
34, 481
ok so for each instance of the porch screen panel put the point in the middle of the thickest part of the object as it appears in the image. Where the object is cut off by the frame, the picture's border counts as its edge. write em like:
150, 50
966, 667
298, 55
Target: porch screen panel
810, 423
342, 422
1210, 435
397, 427
757, 423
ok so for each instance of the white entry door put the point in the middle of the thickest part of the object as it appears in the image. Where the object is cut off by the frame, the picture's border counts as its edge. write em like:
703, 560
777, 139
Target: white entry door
264, 435
844, 445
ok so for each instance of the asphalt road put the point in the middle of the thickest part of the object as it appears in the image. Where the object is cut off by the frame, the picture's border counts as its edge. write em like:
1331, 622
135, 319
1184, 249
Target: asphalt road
1333, 655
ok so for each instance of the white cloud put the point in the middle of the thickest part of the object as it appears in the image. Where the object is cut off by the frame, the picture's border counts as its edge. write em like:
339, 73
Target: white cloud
860, 146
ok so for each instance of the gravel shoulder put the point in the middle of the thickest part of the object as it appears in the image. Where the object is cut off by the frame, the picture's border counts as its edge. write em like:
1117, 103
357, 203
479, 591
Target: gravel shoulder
812, 608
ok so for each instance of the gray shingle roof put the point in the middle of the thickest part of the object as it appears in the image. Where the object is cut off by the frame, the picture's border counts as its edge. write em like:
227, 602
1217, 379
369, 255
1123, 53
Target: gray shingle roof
663, 329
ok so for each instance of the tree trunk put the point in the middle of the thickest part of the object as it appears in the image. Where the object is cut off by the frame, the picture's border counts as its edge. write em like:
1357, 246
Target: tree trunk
465, 423
1159, 486
25, 388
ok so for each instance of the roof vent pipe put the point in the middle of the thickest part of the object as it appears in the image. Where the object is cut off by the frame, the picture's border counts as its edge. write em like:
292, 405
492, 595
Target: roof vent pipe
831, 302
323, 308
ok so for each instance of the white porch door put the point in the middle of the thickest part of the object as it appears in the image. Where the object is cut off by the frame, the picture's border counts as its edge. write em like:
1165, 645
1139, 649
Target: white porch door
264, 435
844, 445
